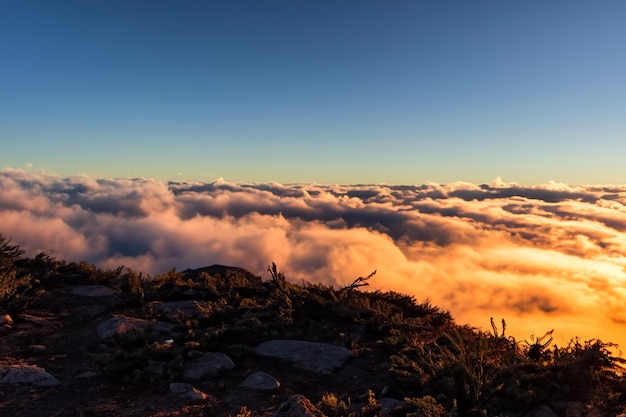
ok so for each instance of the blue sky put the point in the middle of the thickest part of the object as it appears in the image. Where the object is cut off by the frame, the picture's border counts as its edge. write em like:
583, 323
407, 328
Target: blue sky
316, 91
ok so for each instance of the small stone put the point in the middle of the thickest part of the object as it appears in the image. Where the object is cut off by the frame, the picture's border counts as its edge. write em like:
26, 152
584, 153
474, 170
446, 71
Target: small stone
390, 406
6, 320
210, 364
185, 390
37, 348
123, 324
86, 375
260, 381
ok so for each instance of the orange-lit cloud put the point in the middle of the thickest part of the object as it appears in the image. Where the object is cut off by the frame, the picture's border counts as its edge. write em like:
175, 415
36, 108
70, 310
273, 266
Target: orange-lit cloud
542, 257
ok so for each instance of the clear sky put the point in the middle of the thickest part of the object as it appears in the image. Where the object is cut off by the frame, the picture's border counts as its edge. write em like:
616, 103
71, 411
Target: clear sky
316, 91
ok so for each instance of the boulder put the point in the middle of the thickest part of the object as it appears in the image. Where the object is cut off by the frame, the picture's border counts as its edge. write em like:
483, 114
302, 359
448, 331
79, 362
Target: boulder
260, 381
297, 406
93, 291
123, 324
321, 358
208, 365
27, 374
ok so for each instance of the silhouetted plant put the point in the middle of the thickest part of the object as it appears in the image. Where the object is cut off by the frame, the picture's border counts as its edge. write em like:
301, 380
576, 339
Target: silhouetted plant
360, 282
8, 253
135, 284
97, 275
15, 283
537, 347
285, 304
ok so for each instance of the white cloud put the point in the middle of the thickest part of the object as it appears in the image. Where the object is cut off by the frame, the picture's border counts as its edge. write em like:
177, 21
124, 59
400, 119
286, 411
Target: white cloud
541, 256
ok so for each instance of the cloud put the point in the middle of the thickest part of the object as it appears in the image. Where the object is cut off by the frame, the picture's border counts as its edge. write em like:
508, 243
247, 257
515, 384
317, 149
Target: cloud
540, 256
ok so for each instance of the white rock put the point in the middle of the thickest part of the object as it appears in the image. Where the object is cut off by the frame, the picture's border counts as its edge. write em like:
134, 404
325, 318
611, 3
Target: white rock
321, 358
27, 374
260, 381
209, 365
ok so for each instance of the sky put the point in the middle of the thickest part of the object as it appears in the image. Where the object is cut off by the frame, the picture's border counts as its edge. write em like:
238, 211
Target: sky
349, 92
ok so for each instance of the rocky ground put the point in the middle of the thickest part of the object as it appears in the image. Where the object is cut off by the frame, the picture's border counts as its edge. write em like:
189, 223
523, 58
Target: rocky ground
219, 341
65, 331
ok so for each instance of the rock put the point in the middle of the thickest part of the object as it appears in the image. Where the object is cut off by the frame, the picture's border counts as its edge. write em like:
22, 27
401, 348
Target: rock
27, 374
123, 324
209, 365
93, 291
297, 406
321, 358
37, 348
260, 381
543, 411
187, 391
86, 375
6, 320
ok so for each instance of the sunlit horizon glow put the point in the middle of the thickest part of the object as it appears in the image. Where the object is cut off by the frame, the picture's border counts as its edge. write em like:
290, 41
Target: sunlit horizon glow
541, 257
350, 92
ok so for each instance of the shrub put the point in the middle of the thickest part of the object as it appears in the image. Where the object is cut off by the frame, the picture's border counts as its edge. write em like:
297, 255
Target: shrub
426, 406
333, 406
15, 283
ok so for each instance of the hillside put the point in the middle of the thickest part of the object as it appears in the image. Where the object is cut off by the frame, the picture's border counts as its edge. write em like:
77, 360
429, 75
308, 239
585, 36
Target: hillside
77, 340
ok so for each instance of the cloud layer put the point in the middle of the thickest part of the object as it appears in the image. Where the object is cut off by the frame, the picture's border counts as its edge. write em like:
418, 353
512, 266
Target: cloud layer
541, 256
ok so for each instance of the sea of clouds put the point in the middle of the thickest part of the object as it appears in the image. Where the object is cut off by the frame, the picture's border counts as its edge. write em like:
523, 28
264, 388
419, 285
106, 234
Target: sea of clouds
542, 257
